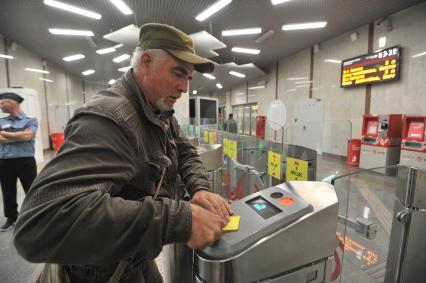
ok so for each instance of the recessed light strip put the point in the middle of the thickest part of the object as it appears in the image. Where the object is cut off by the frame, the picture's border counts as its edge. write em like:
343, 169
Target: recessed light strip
72, 9
276, 2
73, 57
419, 54
240, 75
124, 69
245, 50
46, 80
219, 86
209, 76
122, 7
71, 32
215, 7
6, 56
232, 32
111, 81
304, 26
88, 72
332, 61
106, 50
121, 58
37, 70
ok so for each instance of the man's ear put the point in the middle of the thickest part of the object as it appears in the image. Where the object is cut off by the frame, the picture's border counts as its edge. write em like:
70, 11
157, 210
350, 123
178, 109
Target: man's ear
146, 60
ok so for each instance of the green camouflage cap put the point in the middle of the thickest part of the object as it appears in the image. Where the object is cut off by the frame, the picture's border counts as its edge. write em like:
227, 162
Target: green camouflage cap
174, 41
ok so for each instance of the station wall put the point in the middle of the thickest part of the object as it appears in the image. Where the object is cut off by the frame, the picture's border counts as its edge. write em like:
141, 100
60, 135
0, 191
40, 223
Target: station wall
344, 107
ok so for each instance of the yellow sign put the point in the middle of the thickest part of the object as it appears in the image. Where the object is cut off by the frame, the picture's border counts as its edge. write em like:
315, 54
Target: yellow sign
206, 136
225, 146
297, 170
232, 149
211, 138
274, 165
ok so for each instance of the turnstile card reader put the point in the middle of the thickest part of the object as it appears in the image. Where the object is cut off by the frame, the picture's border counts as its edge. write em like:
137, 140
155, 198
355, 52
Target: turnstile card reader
287, 233
261, 214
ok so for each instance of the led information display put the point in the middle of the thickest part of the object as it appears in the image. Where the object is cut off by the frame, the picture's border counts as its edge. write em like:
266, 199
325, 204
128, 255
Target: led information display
371, 68
263, 207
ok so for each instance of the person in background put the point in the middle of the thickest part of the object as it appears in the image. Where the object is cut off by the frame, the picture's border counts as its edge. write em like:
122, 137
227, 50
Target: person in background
230, 124
17, 134
103, 208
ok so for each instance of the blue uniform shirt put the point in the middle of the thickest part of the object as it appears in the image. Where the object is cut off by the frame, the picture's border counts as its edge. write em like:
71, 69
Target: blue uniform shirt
17, 124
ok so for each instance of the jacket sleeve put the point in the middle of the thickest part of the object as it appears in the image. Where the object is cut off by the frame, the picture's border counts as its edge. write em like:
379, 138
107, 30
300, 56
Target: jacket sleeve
70, 215
191, 169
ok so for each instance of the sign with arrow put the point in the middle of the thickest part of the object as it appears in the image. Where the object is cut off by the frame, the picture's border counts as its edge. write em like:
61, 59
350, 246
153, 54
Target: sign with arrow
297, 170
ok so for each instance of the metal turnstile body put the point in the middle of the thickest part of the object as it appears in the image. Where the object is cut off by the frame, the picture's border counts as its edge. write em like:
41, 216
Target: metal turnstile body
287, 234
407, 256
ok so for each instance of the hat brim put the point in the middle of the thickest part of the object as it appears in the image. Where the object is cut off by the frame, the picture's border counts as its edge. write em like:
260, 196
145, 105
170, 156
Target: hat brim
201, 64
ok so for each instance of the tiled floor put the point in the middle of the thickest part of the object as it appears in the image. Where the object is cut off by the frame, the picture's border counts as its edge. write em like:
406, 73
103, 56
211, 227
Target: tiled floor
363, 195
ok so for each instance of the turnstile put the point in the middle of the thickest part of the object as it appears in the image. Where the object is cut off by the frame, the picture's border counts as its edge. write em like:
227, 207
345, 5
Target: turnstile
287, 233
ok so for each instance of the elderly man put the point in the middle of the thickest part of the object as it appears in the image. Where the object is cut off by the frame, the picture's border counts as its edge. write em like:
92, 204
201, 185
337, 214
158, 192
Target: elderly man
104, 203
17, 133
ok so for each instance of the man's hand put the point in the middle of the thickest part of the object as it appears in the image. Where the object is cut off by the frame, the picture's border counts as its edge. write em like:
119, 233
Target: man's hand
213, 203
206, 227
10, 137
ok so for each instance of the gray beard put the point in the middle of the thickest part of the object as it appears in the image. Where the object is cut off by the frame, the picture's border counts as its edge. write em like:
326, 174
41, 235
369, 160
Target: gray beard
162, 106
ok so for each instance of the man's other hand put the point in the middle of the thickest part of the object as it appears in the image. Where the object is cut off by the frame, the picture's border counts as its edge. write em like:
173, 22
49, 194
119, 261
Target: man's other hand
206, 227
213, 203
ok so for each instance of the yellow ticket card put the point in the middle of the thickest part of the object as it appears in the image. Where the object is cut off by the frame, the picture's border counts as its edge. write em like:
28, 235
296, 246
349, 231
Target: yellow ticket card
233, 225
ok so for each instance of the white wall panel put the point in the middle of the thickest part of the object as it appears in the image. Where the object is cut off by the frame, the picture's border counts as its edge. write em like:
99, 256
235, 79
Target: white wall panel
340, 104
75, 97
56, 93
408, 95
3, 80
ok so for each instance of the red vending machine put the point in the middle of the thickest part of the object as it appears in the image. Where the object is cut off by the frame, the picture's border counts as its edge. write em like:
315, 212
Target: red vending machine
260, 127
380, 142
413, 145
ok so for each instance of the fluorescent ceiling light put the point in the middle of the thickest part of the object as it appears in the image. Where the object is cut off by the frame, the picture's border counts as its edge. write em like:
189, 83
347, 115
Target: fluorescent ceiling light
382, 41
276, 2
122, 7
194, 91
209, 76
297, 78
46, 80
219, 86
73, 9
212, 9
231, 32
304, 26
106, 50
419, 54
124, 69
37, 70
111, 81
121, 58
88, 72
303, 86
6, 56
256, 87
240, 75
304, 82
71, 32
245, 50
332, 61
73, 57
118, 45
291, 90
264, 36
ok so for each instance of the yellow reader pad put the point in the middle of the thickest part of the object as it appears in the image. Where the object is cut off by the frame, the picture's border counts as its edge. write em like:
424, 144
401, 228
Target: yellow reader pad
233, 225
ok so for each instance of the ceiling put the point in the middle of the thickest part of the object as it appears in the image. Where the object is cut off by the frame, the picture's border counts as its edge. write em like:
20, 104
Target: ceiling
27, 21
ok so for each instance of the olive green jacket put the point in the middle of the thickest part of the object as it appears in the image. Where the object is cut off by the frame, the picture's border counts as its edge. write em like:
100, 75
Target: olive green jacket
92, 203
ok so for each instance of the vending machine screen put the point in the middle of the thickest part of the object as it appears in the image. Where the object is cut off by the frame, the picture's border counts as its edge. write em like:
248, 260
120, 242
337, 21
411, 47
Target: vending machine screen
372, 128
263, 207
416, 131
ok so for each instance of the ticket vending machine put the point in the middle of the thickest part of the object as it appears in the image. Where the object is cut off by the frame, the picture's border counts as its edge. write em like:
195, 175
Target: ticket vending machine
286, 233
413, 145
380, 142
